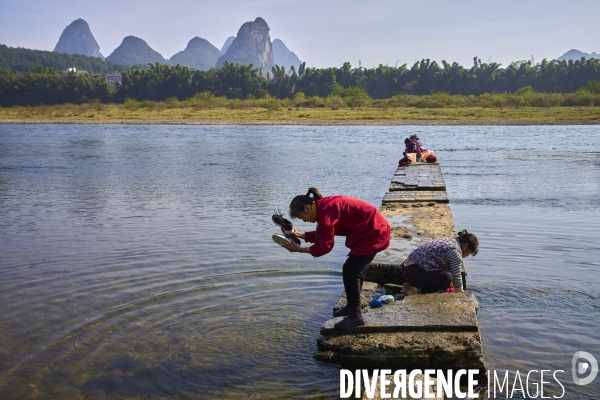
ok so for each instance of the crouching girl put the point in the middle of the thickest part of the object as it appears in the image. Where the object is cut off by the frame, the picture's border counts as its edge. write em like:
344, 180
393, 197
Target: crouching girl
435, 266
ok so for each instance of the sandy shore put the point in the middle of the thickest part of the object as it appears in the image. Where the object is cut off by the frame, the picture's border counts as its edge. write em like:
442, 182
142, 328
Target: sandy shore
362, 122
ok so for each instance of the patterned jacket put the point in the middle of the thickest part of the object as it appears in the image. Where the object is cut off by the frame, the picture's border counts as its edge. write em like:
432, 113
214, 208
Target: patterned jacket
441, 255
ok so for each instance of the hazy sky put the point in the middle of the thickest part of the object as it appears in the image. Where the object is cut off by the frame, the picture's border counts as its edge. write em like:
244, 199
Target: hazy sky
326, 32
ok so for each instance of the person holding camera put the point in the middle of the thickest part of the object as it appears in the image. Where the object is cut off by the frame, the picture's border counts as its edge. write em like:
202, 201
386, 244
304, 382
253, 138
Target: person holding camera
367, 233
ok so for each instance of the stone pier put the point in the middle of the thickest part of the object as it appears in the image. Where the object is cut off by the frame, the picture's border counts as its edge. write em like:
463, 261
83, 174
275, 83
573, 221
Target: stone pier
433, 331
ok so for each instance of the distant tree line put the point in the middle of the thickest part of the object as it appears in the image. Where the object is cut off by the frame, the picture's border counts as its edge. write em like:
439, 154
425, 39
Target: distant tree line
44, 85
159, 82
22, 60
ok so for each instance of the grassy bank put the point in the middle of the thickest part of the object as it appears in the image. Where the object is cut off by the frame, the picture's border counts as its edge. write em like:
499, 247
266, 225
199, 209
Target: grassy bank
434, 109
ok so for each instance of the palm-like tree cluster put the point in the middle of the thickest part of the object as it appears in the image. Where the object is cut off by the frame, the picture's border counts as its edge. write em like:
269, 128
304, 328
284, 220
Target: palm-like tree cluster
159, 82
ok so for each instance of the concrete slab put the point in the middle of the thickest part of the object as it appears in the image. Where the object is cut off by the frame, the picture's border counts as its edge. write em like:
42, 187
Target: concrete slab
421, 221
416, 196
394, 187
418, 177
424, 313
404, 350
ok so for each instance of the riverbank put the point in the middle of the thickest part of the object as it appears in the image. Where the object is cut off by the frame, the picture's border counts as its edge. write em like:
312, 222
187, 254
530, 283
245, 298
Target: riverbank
120, 114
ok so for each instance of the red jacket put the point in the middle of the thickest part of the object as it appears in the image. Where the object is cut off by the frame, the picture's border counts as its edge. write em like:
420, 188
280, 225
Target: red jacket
367, 231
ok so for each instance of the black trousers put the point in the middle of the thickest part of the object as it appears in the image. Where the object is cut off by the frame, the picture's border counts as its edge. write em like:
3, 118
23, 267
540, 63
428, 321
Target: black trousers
427, 281
353, 273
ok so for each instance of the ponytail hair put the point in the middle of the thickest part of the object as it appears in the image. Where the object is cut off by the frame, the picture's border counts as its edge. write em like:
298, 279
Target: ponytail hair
471, 240
297, 205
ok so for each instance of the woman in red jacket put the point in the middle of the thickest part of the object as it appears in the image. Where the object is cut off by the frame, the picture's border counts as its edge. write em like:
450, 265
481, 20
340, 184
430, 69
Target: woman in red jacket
367, 233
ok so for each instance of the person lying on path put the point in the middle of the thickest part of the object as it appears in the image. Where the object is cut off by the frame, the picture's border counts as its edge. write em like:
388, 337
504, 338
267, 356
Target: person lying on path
367, 233
435, 266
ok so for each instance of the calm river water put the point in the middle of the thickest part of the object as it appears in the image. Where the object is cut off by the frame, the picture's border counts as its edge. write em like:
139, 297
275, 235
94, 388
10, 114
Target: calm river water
136, 261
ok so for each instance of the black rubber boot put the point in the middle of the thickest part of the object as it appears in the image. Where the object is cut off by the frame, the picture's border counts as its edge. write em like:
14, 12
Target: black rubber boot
350, 322
342, 312
353, 319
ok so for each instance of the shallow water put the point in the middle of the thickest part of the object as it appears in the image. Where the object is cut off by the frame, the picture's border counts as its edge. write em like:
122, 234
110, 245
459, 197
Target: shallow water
136, 260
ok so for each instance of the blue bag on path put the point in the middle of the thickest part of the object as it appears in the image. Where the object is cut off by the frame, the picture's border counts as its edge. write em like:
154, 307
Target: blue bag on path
375, 303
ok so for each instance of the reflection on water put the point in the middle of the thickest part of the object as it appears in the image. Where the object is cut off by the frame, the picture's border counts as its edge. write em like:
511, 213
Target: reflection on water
137, 261
536, 281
